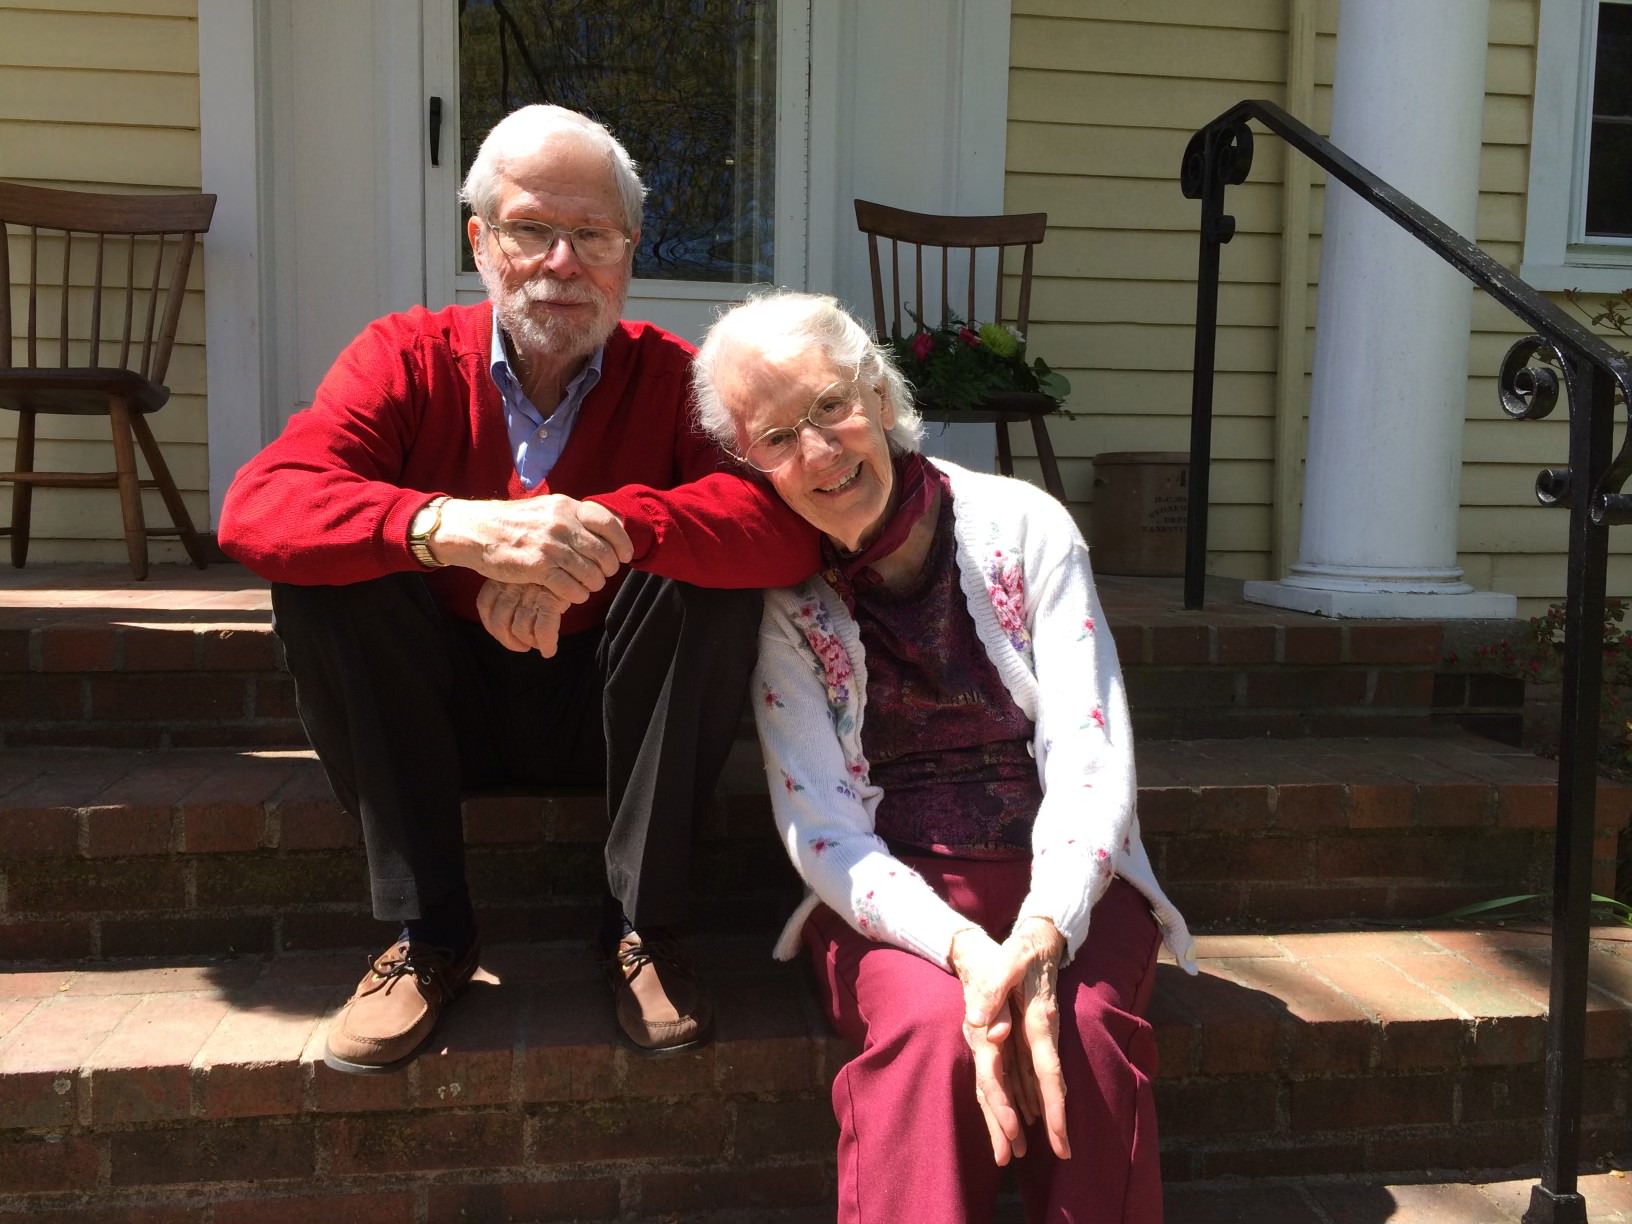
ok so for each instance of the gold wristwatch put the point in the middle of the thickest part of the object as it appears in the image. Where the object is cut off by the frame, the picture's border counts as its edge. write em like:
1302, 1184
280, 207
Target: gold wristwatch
420, 530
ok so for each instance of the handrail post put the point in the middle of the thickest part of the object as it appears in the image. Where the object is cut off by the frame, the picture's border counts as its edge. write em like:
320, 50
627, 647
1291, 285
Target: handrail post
1556, 1200
1220, 155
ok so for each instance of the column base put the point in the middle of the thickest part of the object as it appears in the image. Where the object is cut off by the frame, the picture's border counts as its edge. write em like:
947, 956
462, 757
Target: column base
1380, 604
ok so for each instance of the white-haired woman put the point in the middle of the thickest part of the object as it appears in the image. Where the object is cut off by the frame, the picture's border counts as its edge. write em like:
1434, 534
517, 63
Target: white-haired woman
948, 748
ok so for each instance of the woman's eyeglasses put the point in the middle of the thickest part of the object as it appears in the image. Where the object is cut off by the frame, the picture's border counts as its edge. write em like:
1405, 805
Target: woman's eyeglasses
833, 407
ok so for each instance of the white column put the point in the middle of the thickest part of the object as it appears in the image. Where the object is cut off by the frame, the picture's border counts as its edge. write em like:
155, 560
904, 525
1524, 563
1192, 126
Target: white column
1382, 480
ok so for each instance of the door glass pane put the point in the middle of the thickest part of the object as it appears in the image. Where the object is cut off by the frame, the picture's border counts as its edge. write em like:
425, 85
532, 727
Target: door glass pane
1609, 208
688, 86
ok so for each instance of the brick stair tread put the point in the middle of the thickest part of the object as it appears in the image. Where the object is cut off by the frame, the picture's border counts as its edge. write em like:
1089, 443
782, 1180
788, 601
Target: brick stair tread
1295, 783
1426, 1044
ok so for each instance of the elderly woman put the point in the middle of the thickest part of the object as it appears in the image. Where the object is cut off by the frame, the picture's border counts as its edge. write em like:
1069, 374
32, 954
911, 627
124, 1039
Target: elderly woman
947, 741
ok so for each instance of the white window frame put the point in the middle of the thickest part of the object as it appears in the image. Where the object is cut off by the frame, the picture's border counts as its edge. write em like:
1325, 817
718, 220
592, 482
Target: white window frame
1557, 253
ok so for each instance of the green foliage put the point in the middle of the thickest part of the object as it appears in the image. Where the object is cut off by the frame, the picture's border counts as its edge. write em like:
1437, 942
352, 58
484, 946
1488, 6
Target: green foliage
958, 364
1537, 907
1539, 656
1616, 312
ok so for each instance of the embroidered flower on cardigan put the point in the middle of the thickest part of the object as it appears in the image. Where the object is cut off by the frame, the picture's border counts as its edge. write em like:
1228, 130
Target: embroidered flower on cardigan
867, 912
820, 845
773, 699
789, 785
1087, 627
1006, 587
848, 791
830, 654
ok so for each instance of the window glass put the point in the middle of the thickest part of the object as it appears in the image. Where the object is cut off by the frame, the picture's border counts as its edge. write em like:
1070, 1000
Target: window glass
1609, 203
688, 86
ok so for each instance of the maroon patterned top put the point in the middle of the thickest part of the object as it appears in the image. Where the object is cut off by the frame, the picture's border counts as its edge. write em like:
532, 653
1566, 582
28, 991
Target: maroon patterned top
943, 737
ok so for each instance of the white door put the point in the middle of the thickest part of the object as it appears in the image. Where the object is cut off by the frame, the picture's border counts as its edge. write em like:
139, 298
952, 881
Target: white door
709, 96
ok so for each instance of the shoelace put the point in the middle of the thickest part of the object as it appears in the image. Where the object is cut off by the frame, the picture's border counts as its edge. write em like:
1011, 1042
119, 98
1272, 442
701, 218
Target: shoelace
427, 974
649, 952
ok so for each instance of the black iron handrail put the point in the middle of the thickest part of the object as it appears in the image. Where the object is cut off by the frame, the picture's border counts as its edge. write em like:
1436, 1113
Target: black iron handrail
1594, 372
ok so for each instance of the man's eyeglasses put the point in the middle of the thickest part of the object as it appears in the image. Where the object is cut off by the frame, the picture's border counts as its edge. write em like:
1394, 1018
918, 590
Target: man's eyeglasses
833, 407
594, 245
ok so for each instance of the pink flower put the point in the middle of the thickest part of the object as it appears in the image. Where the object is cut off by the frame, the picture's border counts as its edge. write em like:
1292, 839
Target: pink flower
820, 844
969, 336
1099, 717
923, 344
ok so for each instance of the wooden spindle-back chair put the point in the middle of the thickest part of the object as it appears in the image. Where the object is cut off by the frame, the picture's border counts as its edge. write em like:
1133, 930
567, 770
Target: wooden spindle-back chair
110, 272
960, 260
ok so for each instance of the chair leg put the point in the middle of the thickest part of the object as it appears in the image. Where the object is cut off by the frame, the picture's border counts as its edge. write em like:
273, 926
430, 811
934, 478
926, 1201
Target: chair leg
22, 493
1005, 458
1045, 457
167, 489
130, 486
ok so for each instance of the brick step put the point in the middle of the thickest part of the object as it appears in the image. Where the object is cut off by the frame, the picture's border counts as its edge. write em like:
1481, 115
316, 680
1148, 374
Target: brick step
193, 1086
189, 659
117, 853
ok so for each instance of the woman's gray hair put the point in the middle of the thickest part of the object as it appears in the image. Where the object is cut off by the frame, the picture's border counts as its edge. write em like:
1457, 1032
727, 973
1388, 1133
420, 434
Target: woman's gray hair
782, 319
522, 132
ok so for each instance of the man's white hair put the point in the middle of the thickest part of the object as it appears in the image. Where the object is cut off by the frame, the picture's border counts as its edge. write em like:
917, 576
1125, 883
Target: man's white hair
522, 132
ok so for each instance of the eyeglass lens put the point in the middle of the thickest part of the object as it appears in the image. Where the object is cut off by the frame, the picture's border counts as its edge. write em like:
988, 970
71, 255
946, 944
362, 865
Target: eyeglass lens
592, 244
833, 406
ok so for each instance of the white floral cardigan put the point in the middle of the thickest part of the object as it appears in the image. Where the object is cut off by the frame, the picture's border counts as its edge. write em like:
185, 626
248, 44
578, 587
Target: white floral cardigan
1024, 571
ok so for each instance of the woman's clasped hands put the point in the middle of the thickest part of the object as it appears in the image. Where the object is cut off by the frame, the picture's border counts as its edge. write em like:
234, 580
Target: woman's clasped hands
1012, 1025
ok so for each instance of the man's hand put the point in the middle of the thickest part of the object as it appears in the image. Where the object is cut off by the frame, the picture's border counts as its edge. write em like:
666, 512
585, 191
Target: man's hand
568, 547
521, 616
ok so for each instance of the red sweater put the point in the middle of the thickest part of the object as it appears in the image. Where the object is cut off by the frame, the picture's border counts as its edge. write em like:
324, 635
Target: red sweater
409, 410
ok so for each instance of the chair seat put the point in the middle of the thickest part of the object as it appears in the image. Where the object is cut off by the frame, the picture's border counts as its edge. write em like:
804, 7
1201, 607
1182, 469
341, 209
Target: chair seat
999, 406
77, 392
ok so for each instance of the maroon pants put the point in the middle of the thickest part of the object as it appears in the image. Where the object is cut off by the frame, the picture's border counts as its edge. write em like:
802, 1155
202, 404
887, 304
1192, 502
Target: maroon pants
913, 1147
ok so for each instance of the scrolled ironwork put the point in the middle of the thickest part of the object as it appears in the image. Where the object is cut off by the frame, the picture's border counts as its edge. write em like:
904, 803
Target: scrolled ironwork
1226, 149
1553, 486
1529, 392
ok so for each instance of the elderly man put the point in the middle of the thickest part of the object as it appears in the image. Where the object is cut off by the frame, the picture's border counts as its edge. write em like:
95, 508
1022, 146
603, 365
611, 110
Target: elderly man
447, 530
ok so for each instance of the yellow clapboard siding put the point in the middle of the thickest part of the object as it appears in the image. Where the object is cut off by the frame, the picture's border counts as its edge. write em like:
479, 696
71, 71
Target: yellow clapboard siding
1044, 147
1124, 101
1248, 57
1243, 14
33, 38
1126, 346
119, 99
1132, 301
143, 8
95, 157
1167, 255
1145, 393
1113, 429
1134, 204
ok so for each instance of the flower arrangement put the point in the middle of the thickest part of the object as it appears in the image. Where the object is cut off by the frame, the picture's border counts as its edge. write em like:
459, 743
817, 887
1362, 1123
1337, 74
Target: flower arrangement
958, 364
1537, 658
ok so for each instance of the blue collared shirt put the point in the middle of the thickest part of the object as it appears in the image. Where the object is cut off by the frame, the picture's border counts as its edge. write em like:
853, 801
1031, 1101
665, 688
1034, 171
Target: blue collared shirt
535, 442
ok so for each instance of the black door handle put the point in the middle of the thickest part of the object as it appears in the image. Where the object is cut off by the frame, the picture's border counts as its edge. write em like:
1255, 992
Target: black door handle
436, 131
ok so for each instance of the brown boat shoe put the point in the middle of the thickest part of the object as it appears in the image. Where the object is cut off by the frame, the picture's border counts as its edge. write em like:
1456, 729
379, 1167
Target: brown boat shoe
661, 1008
395, 1007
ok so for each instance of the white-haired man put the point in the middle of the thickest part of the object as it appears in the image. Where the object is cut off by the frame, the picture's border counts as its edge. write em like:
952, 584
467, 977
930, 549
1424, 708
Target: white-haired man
449, 530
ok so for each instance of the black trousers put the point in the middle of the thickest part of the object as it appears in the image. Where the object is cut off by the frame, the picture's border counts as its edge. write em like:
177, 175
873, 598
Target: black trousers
408, 708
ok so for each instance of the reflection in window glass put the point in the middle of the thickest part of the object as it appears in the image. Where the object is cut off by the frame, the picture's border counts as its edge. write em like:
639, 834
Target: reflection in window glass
688, 86
1609, 172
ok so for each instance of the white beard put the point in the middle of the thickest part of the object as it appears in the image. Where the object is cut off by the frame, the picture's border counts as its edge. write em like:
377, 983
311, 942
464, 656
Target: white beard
549, 338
